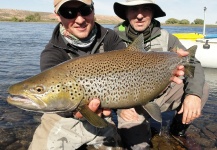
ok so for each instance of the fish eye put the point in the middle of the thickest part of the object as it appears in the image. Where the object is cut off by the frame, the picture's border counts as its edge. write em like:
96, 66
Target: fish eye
39, 89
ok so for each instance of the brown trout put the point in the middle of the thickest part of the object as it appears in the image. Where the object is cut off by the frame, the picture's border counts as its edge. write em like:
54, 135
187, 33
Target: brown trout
123, 78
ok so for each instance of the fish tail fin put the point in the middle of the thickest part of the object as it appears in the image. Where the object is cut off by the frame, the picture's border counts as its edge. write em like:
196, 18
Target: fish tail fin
192, 51
189, 68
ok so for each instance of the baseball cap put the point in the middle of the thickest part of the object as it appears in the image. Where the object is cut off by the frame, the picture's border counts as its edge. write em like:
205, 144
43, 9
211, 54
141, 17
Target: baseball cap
59, 3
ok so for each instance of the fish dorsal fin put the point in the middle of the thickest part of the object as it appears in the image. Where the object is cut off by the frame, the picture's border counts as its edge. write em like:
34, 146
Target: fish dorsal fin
138, 44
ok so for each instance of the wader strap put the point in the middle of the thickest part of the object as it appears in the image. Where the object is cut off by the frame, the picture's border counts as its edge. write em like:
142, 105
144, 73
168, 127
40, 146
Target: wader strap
99, 44
70, 55
101, 48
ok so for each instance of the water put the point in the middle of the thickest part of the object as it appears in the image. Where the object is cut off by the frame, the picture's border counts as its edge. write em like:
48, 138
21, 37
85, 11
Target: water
20, 48
179, 29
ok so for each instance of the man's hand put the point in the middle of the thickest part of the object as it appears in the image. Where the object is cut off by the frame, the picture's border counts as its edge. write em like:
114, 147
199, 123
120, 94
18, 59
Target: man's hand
129, 114
180, 69
191, 109
94, 106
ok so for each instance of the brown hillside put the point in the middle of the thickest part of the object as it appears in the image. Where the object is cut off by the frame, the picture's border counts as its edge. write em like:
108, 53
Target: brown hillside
8, 14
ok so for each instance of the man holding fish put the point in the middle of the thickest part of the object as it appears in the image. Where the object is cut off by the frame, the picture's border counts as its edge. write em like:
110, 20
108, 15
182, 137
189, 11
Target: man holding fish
187, 99
76, 35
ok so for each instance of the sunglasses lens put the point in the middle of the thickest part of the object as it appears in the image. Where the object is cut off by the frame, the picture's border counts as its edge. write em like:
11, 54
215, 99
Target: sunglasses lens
71, 13
86, 10
67, 13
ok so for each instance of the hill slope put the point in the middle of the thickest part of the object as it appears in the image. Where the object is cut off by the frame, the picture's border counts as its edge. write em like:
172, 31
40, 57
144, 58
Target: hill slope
8, 14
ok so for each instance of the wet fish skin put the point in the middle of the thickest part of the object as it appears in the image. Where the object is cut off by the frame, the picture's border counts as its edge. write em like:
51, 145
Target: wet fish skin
120, 79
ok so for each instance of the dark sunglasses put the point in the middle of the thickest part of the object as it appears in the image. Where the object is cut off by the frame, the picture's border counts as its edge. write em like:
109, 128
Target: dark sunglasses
71, 13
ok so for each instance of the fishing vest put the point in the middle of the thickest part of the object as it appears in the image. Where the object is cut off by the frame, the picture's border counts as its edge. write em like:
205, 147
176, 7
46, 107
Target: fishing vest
160, 43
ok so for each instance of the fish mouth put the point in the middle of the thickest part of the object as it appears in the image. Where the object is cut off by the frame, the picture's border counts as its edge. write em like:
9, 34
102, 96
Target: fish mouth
28, 104
22, 102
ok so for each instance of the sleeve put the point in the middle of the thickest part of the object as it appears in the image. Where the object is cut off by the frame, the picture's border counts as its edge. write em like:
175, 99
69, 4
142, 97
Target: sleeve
193, 86
51, 57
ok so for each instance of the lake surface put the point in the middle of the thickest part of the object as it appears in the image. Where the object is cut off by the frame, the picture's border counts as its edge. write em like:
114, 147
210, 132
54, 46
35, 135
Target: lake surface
20, 48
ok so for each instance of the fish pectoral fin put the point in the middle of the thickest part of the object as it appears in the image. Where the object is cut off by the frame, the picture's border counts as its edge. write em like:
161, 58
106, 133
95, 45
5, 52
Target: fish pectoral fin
154, 111
92, 117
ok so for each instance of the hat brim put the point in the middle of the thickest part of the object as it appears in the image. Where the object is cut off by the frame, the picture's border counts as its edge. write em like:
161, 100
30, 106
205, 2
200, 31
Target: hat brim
57, 7
120, 9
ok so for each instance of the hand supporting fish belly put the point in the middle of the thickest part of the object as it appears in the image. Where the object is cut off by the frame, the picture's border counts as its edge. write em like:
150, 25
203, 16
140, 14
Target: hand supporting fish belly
120, 79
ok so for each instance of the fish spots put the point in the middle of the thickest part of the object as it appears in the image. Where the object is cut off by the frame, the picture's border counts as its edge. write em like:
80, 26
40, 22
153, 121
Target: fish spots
58, 87
126, 76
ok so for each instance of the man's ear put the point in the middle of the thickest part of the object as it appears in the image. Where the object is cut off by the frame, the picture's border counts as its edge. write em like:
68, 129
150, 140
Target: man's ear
57, 16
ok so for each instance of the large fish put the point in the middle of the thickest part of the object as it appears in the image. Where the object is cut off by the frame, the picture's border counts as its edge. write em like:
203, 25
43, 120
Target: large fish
120, 79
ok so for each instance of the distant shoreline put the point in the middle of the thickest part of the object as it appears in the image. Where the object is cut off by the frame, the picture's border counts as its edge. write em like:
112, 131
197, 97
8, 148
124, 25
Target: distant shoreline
13, 15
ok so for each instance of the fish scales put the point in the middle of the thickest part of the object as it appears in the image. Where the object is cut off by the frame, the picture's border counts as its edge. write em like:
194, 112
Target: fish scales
120, 79
123, 76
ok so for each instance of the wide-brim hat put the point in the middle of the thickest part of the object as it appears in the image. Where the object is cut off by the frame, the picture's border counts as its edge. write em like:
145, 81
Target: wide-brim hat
120, 8
59, 3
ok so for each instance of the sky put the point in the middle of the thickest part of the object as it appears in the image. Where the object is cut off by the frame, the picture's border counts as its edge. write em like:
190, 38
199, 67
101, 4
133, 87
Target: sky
179, 9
